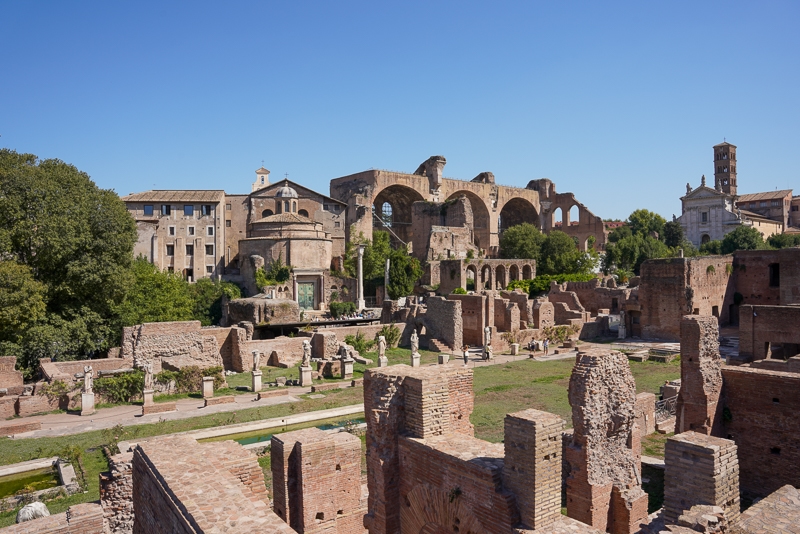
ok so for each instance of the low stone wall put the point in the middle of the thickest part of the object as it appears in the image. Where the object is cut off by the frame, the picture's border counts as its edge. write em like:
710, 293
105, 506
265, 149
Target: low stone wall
19, 428
79, 519
116, 494
9, 377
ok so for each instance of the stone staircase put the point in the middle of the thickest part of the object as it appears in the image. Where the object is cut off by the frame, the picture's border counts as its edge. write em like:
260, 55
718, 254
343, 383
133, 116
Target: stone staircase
437, 345
729, 347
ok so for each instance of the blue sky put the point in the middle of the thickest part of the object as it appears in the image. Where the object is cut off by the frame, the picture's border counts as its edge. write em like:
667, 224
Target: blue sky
619, 103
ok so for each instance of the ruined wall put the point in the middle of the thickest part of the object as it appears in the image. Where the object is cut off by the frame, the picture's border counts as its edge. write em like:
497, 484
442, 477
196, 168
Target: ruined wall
753, 280
442, 230
444, 321
473, 317
557, 217
762, 329
594, 296
78, 519
116, 494
604, 486
698, 406
544, 314
762, 408
9, 377
66, 371
170, 345
646, 413
262, 310
700, 470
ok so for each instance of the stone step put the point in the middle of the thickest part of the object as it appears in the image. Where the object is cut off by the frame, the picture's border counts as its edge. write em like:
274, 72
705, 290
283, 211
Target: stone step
437, 345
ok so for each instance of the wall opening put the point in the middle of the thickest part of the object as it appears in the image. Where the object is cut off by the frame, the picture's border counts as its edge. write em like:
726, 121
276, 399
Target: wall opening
774, 275
574, 216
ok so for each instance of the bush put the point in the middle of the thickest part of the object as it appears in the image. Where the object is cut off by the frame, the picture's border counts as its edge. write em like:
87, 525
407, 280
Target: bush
391, 333
360, 343
459, 291
120, 388
190, 379
338, 309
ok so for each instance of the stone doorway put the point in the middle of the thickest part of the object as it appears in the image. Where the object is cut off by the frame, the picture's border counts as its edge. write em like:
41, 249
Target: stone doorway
305, 295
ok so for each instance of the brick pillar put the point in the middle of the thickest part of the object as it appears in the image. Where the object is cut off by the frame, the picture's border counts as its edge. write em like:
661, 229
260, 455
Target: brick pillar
700, 470
701, 376
532, 466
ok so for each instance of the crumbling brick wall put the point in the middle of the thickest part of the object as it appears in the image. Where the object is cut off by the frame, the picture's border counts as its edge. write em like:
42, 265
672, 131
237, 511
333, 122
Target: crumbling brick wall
262, 310
473, 317
646, 413
444, 321
9, 377
698, 406
700, 470
84, 518
116, 494
544, 314
604, 487
317, 481
171, 345
763, 328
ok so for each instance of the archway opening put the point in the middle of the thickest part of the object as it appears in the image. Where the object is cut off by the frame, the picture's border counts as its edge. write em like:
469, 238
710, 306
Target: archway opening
472, 276
705, 239
304, 213
266, 213
558, 219
517, 211
574, 215
500, 277
392, 209
480, 218
486, 277
513, 273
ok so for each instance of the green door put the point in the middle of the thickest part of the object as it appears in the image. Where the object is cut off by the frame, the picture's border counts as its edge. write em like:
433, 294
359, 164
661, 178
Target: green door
305, 295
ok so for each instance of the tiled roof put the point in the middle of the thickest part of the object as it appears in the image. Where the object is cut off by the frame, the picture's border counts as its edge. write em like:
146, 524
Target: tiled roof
752, 215
724, 144
766, 195
285, 218
183, 195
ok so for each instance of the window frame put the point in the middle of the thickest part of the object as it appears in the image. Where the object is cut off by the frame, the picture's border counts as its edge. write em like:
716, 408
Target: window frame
206, 210
188, 210
210, 230
170, 252
145, 210
209, 246
166, 210
190, 249
190, 230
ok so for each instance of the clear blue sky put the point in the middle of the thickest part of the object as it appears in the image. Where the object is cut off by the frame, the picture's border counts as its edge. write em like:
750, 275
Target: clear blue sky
619, 103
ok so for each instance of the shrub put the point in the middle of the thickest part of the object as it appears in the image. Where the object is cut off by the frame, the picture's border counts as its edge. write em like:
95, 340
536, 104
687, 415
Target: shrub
459, 291
190, 378
338, 309
360, 343
120, 388
391, 333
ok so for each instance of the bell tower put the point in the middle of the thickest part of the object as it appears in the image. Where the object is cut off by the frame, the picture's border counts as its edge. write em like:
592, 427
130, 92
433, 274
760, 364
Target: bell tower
725, 168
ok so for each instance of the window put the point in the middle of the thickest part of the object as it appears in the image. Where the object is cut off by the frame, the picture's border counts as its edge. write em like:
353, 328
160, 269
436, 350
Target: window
228, 206
209, 250
171, 230
190, 230
166, 209
266, 213
170, 250
386, 214
336, 224
190, 250
286, 206
188, 210
763, 204
304, 213
337, 207
775, 203
228, 223
774, 275
148, 209
205, 210
209, 230
752, 204
794, 208
210, 269
704, 217
326, 207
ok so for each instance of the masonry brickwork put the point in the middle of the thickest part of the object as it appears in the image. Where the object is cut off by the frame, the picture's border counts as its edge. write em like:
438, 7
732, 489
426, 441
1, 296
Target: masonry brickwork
10, 378
698, 407
646, 413
778, 513
768, 332
78, 519
700, 470
116, 494
170, 345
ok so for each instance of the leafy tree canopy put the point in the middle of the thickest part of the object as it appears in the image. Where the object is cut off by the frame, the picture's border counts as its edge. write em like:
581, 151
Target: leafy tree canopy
560, 255
404, 273
673, 234
742, 238
713, 248
523, 241
644, 222
22, 300
784, 240
630, 252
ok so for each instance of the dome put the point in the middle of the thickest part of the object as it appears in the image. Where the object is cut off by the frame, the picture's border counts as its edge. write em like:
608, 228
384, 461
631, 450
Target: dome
286, 192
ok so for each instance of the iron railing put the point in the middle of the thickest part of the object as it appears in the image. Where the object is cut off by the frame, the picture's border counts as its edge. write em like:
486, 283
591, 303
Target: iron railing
665, 408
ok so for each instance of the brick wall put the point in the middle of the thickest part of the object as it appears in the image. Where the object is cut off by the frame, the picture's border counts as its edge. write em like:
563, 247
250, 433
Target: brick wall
700, 470
646, 413
9, 377
752, 268
761, 326
473, 317
172, 345
698, 407
78, 519
116, 494
763, 407
445, 322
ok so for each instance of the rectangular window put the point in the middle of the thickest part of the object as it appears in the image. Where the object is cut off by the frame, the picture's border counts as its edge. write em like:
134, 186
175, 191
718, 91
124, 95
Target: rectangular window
209, 250
190, 250
794, 208
205, 210
774, 275
326, 207
170, 250
336, 224
775, 203
228, 206
763, 204
148, 209
704, 217
190, 230
171, 230
209, 230
337, 207
166, 209
228, 223
210, 269
188, 210
752, 204
170, 269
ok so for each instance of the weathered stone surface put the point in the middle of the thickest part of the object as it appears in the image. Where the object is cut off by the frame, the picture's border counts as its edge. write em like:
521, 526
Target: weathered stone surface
116, 494
698, 407
259, 310
170, 345
779, 513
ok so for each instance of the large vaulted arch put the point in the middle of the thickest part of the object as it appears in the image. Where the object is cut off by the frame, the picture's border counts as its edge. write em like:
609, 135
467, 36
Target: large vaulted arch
517, 211
480, 218
396, 217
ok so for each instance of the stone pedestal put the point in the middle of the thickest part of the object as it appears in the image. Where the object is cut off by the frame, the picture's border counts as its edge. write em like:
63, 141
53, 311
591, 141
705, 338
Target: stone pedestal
443, 358
87, 403
256, 381
514, 349
305, 376
383, 362
621, 334
208, 387
347, 368
147, 395
415, 359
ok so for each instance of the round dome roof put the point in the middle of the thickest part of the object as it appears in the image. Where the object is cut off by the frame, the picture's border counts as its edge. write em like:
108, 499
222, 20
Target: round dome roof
286, 192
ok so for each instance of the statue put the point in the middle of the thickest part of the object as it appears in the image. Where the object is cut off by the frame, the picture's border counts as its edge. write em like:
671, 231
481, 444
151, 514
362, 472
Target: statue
306, 354
256, 360
148, 375
381, 346
88, 379
703, 181
688, 188
343, 351
414, 342
487, 336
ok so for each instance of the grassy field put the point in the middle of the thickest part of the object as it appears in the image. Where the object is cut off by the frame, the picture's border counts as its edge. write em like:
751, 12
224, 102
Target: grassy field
499, 389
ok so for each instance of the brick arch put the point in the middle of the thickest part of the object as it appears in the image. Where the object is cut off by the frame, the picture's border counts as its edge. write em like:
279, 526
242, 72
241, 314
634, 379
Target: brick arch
527, 272
500, 277
487, 277
480, 218
400, 197
429, 510
516, 211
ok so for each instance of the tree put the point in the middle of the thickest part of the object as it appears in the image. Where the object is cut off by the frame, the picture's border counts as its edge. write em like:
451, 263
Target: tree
713, 248
76, 239
783, 240
644, 222
629, 253
404, 273
156, 296
560, 255
22, 301
207, 296
673, 234
523, 241
619, 232
742, 238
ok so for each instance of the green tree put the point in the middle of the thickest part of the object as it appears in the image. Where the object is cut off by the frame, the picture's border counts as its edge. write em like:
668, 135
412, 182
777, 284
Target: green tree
743, 238
404, 273
783, 240
629, 253
560, 255
643, 222
673, 234
156, 296
207, 297
77, 240
619, 232
523, 241
713, 248
22, 301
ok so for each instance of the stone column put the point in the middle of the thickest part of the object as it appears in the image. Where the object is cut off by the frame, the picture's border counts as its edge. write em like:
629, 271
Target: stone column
386, 280
256, 381
360, 305
87, 403
208, 387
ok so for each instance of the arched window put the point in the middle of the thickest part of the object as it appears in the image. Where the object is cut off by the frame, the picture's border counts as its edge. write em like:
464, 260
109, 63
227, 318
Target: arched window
286, 206
294, 206
266, 213
304, 213
574, 215
386, 214
705, 239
